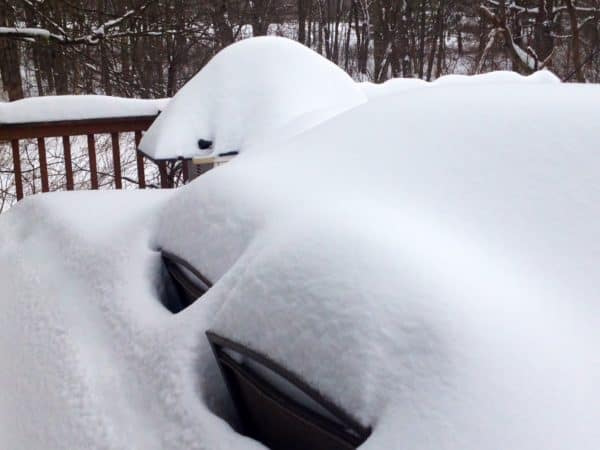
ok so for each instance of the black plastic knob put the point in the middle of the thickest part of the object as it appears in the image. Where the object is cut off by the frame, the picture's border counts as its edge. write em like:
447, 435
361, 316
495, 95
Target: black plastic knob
203, 144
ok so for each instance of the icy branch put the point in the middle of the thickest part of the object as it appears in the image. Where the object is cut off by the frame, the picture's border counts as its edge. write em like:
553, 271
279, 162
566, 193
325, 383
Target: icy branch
60, 36
488, 47
31, 33
533, 11
527, 59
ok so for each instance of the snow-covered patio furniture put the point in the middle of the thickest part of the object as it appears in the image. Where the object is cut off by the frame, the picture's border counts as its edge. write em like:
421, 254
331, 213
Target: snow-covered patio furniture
278, 408
187, 286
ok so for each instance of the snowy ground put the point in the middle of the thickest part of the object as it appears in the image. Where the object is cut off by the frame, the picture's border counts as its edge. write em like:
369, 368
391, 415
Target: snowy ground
428, 259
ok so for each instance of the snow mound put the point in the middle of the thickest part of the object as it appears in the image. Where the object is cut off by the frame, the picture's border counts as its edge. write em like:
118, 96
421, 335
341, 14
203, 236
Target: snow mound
499, 77
247, 91
399, 85
89, 357
391, 87
76, 107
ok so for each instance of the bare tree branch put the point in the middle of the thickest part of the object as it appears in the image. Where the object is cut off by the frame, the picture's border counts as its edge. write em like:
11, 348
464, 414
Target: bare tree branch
94, 37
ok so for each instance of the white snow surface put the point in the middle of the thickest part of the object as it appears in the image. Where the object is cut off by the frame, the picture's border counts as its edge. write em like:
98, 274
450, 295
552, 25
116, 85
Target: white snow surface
436, 276
391, 87
500, 77
399, 85
249, 92
76, 107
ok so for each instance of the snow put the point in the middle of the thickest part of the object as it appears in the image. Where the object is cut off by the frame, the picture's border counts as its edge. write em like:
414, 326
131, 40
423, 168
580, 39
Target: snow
524, 56
429, 261
26, 32
246, 93
392, 86
76, 107
90, 358
500, 77
398, 85
428, 275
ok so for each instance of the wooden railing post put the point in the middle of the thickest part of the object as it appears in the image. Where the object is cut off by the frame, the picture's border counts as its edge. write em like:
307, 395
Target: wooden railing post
140, 161
68, 162
184, 171
16, 154
91, 142
116, 160
164, 178
43, 164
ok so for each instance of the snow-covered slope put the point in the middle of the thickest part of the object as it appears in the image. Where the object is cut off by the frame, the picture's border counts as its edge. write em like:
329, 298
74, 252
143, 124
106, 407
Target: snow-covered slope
245, 93
429, 261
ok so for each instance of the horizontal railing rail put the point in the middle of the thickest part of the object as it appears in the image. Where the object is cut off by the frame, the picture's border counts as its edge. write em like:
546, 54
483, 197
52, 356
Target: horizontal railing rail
66, 129
74, 127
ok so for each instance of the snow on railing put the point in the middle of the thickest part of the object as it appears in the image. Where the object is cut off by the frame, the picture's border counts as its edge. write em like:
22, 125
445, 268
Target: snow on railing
55, 119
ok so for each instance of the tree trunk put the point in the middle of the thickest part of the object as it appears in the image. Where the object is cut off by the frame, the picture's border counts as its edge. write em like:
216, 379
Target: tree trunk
421, 52
543, 28
301, 21
575, 49
10, 57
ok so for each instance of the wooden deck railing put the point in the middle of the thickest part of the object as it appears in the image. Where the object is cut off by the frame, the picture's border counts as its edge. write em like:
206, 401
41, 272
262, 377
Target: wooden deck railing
114, 127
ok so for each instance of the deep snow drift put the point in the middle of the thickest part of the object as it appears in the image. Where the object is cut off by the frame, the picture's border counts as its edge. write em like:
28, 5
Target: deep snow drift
430, 261
248, 91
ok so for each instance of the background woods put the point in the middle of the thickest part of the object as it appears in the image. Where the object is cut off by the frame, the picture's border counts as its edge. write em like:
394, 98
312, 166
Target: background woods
149, 48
